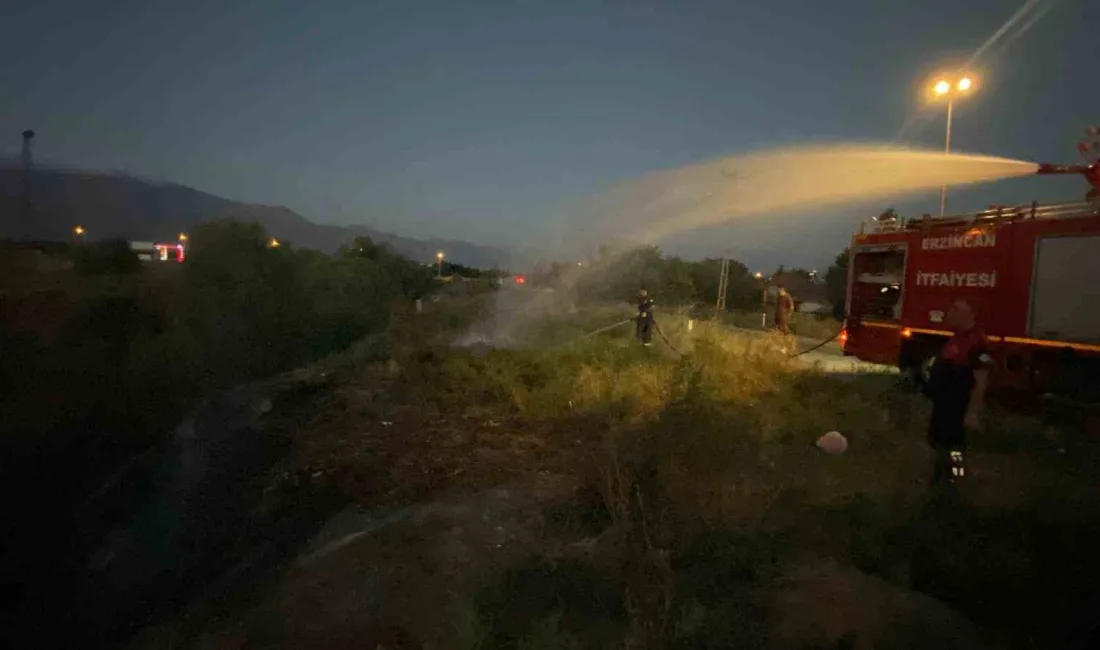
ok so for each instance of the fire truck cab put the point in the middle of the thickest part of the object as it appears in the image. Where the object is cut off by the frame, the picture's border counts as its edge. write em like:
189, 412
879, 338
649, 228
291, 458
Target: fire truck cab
1032, 274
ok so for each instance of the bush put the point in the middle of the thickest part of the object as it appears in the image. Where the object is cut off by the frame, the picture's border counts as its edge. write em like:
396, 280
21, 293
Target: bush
117, 361
106, 257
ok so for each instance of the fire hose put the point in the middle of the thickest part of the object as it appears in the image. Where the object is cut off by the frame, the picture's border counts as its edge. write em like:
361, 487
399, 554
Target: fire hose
629, 320
665, 339
673, 347
605, 329
828, 340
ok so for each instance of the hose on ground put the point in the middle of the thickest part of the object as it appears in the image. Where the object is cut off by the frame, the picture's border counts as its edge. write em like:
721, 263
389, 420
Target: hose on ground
828, 340
605, 329
673, 347
665, 339
624, 322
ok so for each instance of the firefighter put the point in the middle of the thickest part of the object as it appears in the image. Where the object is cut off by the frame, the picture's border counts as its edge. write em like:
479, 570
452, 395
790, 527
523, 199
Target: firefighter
784, 305
644, 320
957, 387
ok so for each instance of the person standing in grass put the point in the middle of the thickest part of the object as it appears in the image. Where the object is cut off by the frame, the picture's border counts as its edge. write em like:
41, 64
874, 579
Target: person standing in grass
644, 320
957, 386
784, 305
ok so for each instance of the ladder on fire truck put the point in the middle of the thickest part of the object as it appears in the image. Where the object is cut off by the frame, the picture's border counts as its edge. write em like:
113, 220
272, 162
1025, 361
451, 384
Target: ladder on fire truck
1036, 210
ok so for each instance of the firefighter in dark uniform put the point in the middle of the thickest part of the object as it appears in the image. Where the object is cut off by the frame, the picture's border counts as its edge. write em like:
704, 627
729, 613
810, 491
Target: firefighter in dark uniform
644, 320
957, 387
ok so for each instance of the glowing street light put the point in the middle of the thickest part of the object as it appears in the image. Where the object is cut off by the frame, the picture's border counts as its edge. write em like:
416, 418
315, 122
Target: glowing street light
79, 231
439, 264
758, 275
183, 236
274, 243
951, 88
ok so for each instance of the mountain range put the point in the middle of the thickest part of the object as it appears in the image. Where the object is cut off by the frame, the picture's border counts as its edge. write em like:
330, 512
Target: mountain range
115, 205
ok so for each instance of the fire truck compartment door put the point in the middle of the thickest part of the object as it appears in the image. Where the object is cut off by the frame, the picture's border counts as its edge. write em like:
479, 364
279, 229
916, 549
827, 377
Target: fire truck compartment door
1065, 296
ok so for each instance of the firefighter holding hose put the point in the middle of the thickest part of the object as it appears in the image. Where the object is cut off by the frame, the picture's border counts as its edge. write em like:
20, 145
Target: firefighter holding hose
644, 319
957, 387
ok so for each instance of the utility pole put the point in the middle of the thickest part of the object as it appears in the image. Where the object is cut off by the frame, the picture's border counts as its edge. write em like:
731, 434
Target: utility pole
28, 165
723, 287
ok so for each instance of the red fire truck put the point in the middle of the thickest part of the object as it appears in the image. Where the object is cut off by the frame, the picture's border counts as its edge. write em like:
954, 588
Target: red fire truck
1032, 273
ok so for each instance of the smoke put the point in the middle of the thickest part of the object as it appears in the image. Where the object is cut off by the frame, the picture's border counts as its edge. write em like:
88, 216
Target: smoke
514, 314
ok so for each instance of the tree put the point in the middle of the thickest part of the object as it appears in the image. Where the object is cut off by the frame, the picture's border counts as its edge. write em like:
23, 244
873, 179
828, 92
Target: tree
105, 257
413, 280
836, 283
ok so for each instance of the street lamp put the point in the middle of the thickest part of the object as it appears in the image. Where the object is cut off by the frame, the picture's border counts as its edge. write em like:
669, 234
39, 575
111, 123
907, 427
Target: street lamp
273, 243
79, 231
439, 264
758, 275
951, 88
183, 236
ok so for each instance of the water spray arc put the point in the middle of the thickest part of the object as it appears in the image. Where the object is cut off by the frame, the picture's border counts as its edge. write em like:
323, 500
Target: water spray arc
778, 181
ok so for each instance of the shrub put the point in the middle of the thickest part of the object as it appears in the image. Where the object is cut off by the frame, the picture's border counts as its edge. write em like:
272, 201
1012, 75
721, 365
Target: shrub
106, 257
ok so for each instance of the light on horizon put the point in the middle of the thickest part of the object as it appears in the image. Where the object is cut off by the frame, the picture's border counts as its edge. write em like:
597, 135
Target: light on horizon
78, 231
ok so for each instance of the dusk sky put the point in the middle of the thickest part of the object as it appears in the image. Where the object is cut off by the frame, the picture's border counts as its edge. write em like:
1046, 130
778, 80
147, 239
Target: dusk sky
488, 121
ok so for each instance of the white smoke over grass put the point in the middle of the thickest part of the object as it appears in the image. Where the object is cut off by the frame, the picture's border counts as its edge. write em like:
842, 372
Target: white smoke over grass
515, 318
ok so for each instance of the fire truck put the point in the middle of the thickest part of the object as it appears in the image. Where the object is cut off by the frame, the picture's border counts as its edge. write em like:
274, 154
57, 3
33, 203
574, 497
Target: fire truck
1032, 274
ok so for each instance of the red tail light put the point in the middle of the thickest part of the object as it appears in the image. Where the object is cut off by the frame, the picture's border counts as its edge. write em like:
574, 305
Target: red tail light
843, 338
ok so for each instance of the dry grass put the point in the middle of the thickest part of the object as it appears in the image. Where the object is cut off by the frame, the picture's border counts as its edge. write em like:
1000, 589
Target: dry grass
805, 325
732, 418
718, 439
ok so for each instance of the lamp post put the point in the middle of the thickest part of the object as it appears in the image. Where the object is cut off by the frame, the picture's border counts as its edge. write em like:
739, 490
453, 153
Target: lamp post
950, 88
439, 264
78, 232
759, 275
